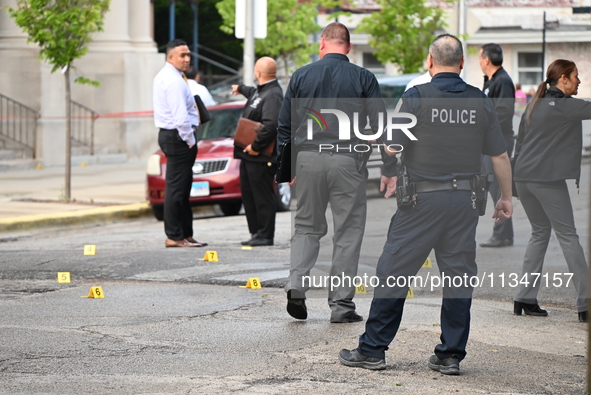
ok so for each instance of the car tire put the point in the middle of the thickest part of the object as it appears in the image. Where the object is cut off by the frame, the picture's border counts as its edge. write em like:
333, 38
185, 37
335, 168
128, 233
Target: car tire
158, 211
283, 197
231, 208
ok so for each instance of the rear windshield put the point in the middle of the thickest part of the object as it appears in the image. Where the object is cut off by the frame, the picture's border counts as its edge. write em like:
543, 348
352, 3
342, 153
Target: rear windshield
222, 124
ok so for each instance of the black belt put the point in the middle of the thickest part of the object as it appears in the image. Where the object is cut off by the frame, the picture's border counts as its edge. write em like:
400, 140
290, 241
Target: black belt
451, 185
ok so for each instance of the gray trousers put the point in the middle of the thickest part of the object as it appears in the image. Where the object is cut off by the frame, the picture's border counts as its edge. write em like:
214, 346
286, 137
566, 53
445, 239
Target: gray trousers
324, 178
548, 206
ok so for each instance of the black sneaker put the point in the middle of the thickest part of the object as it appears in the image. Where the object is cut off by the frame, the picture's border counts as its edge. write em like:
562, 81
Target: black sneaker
355, 359
450, 366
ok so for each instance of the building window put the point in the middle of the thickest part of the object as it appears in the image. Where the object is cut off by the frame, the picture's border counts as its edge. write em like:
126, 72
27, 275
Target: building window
372, 63
529, 68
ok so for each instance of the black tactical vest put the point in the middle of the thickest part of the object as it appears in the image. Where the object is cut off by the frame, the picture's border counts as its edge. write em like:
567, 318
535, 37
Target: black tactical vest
450, 131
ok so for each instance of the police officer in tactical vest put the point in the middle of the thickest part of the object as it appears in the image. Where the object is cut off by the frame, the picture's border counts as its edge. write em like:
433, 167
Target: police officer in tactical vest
440, 195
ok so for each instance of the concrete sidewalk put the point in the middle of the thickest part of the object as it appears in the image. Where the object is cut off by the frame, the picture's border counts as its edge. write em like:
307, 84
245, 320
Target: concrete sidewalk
99, 192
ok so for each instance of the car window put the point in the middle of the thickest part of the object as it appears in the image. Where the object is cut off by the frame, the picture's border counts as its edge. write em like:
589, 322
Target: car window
392, 91
222, 124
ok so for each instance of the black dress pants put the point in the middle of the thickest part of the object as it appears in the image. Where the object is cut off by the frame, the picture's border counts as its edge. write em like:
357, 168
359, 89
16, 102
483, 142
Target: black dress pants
258, 197
178, 216
444, 221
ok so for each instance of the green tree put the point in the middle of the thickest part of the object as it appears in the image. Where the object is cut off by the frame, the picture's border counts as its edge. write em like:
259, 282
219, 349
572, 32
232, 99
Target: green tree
61, 29
402, 31
289, 22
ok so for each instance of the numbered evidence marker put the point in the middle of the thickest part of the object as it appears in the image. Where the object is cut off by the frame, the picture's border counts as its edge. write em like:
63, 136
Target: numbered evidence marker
253, 283
360, 290
63, 277
211, 256
410, 294
95, 292
89, 249
428, 263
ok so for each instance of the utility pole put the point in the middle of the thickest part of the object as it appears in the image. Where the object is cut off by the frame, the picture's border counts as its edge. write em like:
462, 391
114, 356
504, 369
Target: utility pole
248, 56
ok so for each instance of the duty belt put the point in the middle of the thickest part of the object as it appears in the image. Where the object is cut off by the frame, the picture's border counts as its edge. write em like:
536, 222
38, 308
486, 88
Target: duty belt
451, 185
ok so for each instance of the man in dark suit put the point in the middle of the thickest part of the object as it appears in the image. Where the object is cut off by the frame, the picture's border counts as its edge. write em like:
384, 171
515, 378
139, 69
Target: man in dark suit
499, 87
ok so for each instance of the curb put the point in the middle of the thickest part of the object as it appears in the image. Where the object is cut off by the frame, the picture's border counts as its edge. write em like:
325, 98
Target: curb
100, 214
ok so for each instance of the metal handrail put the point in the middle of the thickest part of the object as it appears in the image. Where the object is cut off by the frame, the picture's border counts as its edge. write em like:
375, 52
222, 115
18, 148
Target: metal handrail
82, 133
18, 123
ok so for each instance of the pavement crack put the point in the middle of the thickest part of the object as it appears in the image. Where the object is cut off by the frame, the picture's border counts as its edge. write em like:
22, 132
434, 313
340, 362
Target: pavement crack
44, 262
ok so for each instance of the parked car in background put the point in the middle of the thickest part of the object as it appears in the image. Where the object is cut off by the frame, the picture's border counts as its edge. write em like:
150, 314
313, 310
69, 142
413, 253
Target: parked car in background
394, 87
216, 174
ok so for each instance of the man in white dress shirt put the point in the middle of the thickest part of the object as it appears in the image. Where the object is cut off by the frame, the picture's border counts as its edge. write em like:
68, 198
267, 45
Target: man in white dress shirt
193, 76
176, 116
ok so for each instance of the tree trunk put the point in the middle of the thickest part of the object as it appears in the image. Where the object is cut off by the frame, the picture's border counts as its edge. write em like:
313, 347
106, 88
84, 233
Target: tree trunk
67, 191
286, 68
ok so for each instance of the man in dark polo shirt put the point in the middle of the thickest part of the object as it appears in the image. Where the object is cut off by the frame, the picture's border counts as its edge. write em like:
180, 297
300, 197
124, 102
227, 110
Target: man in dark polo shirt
329, 168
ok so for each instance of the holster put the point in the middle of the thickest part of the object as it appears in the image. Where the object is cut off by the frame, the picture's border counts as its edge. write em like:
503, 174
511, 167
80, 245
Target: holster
361, 160
480, 185
405, 190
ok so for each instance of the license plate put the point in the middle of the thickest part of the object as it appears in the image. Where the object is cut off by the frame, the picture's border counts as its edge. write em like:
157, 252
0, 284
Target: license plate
200, 189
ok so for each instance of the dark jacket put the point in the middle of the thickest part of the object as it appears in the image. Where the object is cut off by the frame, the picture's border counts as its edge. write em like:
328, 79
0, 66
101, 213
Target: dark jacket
501, 90
263, 105
449, 85
550, 147
332, 82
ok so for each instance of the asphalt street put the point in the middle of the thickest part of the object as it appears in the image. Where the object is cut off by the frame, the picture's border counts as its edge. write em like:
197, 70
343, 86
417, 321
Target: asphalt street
172, 323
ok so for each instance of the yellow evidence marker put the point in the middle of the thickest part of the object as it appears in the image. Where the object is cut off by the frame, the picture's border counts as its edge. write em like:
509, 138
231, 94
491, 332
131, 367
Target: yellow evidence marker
89, 249
211, 256
410, 294
63, 277
95, 292
253, 283
360, 290
427, 263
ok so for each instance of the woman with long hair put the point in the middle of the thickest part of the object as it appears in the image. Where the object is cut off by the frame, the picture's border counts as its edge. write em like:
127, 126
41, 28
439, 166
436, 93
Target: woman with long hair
548, 152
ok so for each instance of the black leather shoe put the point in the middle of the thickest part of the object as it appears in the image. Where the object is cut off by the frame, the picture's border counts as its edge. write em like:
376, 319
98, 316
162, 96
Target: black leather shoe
355, 359
296, 304
247, 242
258, 242
582, 316
529, 309
449, 366
349, 316
494, 242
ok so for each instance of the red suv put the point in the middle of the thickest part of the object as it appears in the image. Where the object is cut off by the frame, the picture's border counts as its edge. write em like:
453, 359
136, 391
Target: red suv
216, 174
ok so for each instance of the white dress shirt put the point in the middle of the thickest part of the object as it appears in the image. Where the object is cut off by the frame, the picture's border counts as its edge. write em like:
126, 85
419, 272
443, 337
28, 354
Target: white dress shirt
201, 90
174, 106
421, 79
